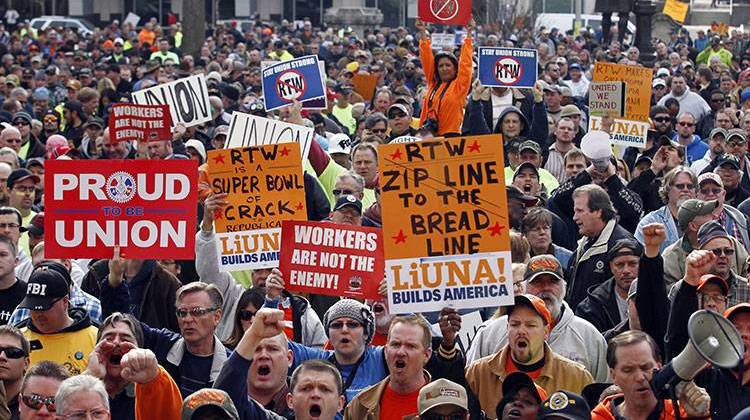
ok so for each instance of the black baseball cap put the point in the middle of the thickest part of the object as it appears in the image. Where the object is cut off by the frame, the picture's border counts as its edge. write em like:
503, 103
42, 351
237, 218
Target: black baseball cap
348, 200
35, 226
19, 175
514, 193
565, 405
45, 287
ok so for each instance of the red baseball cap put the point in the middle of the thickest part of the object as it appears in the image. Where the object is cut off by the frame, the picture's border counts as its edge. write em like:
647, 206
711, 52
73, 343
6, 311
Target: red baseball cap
736, 309
711, 278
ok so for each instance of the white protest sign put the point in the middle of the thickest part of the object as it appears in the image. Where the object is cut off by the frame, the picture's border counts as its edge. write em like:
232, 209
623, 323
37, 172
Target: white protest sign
187, 99
470, 324
247, 130
607, 97
447, 41
132, 19
404, 139
624, 132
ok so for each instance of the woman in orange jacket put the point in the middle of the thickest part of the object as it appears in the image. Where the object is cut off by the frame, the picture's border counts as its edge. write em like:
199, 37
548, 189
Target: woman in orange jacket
448, 82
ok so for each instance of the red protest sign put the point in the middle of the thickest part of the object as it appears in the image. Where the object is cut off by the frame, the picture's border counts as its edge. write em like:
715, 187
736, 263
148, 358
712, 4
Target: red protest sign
331, 259
146, 207
139, 123
445, 12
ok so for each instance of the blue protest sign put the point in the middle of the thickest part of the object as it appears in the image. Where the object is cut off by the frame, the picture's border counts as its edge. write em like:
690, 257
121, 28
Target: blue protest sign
286, 81
507, 67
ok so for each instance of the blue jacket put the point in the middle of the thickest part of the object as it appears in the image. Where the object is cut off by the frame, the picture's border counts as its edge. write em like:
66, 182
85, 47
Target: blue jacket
695, 150
663, 217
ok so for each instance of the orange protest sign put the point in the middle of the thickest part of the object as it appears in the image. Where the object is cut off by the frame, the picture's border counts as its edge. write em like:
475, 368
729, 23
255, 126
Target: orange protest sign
365, 85
631, 130
445, 224
676, 9
265, 187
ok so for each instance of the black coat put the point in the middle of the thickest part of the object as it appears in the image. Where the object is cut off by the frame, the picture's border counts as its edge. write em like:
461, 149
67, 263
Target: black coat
612, 6
600, 306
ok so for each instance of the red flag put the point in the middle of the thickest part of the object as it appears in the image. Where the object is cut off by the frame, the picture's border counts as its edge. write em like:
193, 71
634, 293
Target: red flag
445, 12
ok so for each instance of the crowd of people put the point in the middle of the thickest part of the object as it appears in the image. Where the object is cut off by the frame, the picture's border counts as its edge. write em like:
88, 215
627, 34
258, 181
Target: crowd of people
609, 262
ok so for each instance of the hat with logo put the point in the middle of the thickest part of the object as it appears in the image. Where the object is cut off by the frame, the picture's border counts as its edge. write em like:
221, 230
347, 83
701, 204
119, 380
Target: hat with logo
45, 287
35, 226
441, 392
19, 175
339, 143
710, 177
348, 200
713, 278
729, 160
710, 231
198, 402
693, 207
533, 302
543, 264
520, 380
565, 405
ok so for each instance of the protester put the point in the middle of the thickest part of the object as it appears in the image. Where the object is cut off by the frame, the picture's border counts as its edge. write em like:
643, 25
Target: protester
38, 390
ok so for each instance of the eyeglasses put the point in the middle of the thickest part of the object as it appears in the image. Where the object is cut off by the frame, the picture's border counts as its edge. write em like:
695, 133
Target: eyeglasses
379, 130
662, 119
13, 352
340, 324
726, 251
707, 191
194, 312
4, 226
23, 189
686, 124
246, 315
684, 186
342, 192
35, 402
713, 298
98, 414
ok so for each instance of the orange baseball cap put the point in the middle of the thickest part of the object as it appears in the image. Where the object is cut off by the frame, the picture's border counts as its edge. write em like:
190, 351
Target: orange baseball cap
711, 278
535, 303
108, 44
736, 309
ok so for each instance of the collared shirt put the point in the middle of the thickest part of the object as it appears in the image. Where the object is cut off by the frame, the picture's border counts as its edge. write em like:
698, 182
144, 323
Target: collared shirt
556, 163
78, 299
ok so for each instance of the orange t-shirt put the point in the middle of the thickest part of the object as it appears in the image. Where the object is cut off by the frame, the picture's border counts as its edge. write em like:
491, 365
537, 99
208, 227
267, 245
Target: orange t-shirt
397, 406
510, 367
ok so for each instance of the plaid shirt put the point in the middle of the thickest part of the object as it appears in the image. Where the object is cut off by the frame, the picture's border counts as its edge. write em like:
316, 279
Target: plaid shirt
739, 290
78, 299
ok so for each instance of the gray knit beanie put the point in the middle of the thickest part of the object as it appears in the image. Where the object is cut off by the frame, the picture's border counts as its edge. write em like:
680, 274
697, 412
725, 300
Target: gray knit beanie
353, 309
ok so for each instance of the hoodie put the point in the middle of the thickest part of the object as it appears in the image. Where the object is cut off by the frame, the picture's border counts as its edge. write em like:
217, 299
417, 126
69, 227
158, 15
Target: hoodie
69, 347
536, 130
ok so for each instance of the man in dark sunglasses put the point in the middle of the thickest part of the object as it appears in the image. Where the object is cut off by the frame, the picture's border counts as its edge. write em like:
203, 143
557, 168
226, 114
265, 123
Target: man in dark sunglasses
37, 394
14, 358
695, 148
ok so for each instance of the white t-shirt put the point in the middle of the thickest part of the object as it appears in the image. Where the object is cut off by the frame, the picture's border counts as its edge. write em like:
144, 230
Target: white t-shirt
499, 103
11, 16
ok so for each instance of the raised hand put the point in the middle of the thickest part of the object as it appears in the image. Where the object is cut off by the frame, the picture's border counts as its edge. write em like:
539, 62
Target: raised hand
139, 366
212, 204
698, 263
654, 234
116, 268
450, 325
275, 284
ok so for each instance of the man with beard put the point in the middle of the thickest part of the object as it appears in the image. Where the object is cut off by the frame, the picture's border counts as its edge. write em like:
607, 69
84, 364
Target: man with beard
130, 373
677, 186
407, 352
569, 336
716, 143
633, 357
315, 390
529, 323
607, 304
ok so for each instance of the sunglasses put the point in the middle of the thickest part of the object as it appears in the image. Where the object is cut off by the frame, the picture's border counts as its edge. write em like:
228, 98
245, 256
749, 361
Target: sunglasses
349, 324
686, 124
706, 191
726, 251
379, 130
36, 402
246, 315
662, 119
13, 352
684, 186
342, 192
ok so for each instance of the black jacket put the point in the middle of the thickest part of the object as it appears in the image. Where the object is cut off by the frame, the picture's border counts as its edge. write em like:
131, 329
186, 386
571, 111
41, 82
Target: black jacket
647, 185
158, 298
600, 307
728, 395
651, 300
627, 203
